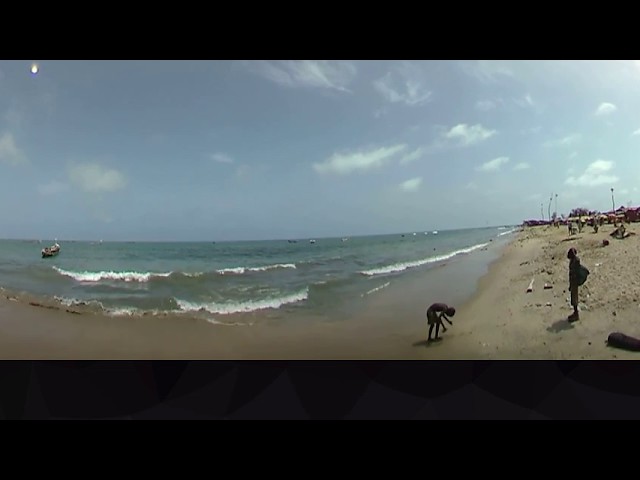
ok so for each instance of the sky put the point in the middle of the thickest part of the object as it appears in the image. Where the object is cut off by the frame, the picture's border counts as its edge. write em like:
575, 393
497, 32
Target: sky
248, 150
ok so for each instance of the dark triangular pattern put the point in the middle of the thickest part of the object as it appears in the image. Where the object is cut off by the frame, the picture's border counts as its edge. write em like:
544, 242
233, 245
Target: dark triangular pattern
123, 387
14, 378
36, 407
328, 390
252, 378
521, 383
371, 368
278, 401
378, 402
166, 374
481, 366
593, 400
564, 402
567, 366
486, 405
617, 376
73, 393
426, 379
428, 412
197, 375
205, 389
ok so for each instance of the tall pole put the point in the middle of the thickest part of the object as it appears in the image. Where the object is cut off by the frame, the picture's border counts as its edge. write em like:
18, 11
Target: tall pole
613, 203
549, 208
556, 204
613, 209
542, 210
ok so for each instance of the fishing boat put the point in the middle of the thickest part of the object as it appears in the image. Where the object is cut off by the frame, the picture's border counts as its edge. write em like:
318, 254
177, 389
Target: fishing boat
51, 251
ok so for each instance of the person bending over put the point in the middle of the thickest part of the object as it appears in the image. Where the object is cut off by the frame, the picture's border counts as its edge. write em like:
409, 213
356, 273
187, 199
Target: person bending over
436, 313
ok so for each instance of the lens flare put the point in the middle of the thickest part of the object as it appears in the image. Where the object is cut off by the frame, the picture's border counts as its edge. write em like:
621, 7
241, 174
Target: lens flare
34, 69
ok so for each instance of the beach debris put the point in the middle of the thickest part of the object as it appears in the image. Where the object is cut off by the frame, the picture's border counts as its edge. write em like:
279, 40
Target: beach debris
614, 314
605, 242
548, 304
524, 263
598, 264
530, 287
623, 341
547, 286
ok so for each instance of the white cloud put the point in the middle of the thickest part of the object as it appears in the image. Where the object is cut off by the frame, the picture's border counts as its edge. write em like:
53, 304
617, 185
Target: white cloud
606, 108
567, 141
9, 152
637, 132
243, 171
485, 105
92, 177
336, 75
379, 113
346, 163
222, 158
525, 102
532, 130
521, 166
597, 173
468, 135
404, 85
411, 185
487, 71
415, 155
493, 165
52, 188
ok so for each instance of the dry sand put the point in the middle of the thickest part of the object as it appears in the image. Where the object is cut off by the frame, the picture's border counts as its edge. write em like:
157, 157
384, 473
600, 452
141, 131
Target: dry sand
500, 321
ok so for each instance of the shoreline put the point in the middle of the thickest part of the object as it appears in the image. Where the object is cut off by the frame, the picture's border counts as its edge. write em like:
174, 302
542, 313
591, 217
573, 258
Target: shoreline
496, 318
372, 330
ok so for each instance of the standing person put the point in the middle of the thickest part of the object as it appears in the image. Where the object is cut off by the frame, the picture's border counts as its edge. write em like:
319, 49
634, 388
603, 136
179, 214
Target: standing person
435, 314
574, 282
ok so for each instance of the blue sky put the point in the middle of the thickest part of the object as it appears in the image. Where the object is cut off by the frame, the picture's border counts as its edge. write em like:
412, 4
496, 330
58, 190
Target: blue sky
223, 150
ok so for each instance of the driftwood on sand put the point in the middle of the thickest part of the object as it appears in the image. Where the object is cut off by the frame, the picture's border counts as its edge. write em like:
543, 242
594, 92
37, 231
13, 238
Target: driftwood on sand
623, 341
530, 288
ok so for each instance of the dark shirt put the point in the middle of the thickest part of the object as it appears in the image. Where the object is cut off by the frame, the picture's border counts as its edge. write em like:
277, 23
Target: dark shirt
574, 269
438, 308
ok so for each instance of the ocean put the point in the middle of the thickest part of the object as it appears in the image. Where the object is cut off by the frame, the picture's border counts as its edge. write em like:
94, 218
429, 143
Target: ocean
215, 280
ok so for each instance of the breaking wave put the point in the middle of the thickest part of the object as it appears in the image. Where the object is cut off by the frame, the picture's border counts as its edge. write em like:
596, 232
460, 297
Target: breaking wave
399, 267
243, 307
103, 275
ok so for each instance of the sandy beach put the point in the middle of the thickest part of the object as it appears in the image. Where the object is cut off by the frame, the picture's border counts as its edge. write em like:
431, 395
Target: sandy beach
499, 321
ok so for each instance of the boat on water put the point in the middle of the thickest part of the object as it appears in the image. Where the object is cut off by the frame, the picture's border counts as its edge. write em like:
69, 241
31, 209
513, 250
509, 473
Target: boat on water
51, 251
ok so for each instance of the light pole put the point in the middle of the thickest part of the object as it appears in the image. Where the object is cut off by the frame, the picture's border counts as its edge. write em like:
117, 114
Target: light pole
542, 211
549, 207
556, 204
613, 209
613, 203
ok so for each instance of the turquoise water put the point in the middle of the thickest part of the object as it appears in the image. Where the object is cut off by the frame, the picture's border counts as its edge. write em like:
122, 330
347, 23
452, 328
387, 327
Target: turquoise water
219, 279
